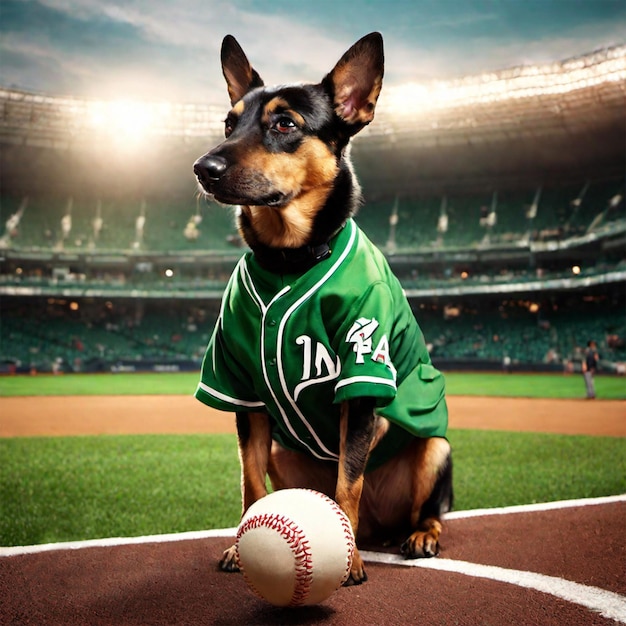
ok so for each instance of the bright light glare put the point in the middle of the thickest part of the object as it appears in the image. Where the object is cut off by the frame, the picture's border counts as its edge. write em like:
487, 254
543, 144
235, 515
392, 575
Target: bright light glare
591, 81
127, 118
523, 82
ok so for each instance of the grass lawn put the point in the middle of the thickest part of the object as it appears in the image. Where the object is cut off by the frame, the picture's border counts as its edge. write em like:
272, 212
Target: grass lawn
474, 384
67, 488
71, 488
99, 384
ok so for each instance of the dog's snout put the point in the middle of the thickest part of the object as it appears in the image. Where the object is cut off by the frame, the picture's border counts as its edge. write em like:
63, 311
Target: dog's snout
209, 167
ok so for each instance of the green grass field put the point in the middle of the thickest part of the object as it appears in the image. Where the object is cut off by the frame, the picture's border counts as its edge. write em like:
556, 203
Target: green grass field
72, 488
473, 384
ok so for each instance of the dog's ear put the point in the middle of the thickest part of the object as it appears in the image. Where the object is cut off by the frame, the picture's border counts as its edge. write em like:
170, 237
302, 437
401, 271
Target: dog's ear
239, 74
356, 80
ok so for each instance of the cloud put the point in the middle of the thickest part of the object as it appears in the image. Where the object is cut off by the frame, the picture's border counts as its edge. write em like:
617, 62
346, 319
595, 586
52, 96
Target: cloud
152, 49
79, 50
506, 44
157, 49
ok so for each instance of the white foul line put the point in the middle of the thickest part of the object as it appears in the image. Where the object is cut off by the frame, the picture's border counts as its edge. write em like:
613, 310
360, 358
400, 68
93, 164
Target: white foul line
607, 603
112, 542
533, 508
231, 532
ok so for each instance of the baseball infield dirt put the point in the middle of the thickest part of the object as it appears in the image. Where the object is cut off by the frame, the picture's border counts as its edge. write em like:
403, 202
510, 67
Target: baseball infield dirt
91, 415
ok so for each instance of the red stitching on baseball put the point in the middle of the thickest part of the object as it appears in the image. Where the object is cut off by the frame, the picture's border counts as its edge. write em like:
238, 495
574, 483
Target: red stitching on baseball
347, 531
299, 545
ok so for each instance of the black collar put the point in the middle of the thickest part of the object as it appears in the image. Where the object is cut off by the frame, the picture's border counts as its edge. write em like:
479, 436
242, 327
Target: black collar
291, 260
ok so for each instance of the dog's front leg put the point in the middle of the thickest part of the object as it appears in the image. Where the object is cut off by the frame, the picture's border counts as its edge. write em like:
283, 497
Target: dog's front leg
254, 438
357, 430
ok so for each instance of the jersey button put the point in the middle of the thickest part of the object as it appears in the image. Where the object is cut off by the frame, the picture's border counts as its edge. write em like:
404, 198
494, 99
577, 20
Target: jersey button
272, 322
272, 362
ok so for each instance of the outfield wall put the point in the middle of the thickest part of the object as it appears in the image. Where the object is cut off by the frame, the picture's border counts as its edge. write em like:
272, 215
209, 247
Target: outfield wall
174, 366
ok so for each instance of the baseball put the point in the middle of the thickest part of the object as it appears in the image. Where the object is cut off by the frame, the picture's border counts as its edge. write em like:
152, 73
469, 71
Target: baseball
295, 547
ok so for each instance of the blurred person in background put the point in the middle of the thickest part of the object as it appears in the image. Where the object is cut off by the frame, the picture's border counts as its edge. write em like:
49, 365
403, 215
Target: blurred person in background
590, 365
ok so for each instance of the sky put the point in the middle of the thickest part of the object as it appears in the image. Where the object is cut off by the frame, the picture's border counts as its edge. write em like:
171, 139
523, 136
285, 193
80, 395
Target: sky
169, 50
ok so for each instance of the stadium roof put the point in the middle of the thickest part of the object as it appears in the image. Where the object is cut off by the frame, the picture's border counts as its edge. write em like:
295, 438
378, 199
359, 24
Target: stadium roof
529, 125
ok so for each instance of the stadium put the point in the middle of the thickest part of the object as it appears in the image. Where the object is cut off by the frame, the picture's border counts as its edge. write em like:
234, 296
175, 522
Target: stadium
497, 198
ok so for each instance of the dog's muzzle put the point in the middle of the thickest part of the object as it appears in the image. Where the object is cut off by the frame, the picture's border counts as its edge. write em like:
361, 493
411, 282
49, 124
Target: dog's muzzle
209, 169
236, 185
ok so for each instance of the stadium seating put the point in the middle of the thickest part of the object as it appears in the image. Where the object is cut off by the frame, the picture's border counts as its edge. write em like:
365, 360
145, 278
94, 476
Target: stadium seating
38, 337
558, 216
81, 338
164, 228
178, 331
524, 337
198, 225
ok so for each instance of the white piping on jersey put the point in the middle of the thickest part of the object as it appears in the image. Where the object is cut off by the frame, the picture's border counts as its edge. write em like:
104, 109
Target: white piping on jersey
222, 396
220, 319
365, 379
254, 295
315, 381
281, 329
248, 282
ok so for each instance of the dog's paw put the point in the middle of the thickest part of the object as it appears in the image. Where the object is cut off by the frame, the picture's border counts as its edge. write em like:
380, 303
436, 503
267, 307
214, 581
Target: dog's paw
228, 562
357, 572
355, 579
421, 544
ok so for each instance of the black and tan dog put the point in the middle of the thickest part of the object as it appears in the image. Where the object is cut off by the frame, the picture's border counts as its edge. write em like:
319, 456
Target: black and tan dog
316, 348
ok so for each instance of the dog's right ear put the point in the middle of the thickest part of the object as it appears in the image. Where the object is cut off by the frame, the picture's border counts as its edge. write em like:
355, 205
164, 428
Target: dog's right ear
240, 76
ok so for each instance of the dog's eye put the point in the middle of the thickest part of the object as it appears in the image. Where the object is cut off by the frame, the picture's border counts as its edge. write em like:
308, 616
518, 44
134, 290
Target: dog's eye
284, 125
229, 126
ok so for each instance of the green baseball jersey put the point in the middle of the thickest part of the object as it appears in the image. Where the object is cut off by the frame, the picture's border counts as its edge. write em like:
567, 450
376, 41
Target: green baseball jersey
297, 346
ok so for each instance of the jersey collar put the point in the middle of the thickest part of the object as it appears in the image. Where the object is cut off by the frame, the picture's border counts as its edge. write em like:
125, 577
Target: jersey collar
270, 282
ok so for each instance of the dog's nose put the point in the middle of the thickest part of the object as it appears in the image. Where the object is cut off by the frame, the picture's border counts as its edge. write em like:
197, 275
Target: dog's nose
210, 167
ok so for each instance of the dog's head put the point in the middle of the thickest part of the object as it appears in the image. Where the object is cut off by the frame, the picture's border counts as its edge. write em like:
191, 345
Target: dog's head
284, 149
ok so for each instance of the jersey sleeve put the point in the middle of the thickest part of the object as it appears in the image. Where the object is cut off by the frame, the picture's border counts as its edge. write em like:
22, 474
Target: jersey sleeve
224, 384
384, 356
363, 345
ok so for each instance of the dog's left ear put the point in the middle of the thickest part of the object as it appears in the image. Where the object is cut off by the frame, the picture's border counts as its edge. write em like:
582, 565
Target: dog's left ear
355, 82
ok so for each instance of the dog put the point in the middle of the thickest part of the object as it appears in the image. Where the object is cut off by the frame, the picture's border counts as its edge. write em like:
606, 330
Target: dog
316, 349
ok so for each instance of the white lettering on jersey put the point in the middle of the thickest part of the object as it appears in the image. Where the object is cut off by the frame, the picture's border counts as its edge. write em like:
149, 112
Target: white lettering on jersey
381, 355
322, 357
304, 340
360, 334
325, 368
